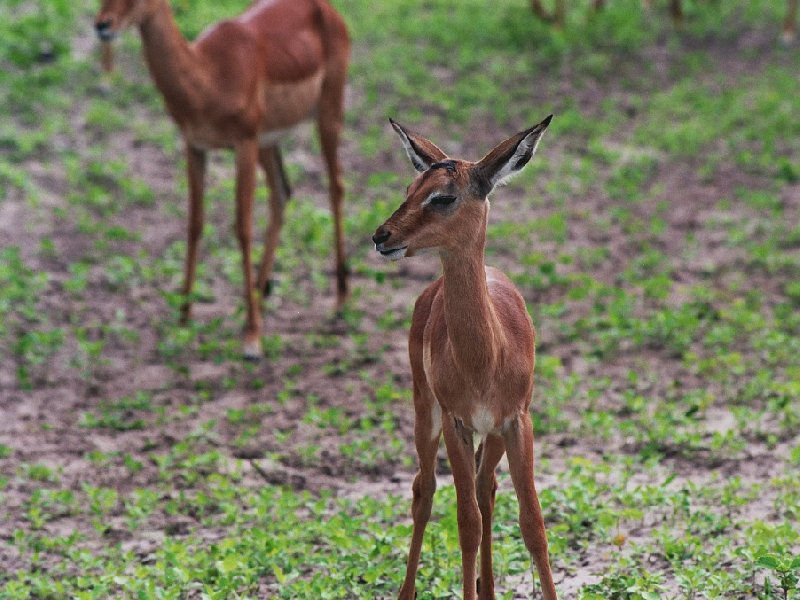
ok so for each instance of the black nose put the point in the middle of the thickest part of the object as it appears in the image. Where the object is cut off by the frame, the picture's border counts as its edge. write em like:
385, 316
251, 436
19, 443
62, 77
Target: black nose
102, 26
381, 235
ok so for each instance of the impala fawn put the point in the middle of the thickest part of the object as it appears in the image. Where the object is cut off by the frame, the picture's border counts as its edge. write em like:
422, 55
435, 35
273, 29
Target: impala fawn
471, 348
241, 85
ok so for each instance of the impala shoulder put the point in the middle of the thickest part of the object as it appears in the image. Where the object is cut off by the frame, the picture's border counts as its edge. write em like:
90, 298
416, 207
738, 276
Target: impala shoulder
425, 299
501, 287
495, 277
227, 30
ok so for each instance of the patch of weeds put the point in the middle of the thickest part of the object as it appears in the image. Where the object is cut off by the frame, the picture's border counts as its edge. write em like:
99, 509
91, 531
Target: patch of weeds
123, 414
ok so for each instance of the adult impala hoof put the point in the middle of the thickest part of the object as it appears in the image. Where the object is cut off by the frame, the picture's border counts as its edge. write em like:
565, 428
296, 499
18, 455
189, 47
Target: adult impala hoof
251, 351
267, 287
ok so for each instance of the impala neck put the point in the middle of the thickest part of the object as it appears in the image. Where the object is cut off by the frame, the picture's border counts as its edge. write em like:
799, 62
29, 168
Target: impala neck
171, 60
472, 326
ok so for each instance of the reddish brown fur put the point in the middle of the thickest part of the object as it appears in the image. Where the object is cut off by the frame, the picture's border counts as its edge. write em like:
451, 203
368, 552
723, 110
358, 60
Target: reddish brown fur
473, 329
279, 63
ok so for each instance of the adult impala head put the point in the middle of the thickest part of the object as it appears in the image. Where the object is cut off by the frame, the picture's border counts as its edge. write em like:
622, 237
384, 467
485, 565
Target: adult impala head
446, 207
117, 15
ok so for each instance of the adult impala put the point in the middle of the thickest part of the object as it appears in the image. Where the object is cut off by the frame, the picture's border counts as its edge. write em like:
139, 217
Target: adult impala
240, 85
471, 347
558, 15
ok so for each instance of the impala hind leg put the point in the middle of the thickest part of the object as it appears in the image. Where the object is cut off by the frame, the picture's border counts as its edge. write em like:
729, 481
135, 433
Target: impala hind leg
461, 453
196, 169
330, 119
246, 156
279, 194
519, 446
427, 433
490, 452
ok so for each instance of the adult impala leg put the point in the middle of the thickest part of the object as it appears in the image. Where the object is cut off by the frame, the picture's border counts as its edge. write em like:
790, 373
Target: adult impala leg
491, 452
246, 156
196, 167
676, 11
790, 22
518, 437
330, 121
461, 453
427, 433
279, 193
557, 17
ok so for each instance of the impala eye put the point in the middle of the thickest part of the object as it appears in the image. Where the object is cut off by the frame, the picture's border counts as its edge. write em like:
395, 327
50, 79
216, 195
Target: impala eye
442, 200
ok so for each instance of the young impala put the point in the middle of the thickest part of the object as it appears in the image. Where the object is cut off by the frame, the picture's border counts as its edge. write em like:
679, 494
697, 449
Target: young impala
241, 85
471, 347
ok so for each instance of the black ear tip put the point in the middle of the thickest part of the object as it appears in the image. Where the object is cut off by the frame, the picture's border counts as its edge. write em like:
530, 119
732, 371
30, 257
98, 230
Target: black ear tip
539, 129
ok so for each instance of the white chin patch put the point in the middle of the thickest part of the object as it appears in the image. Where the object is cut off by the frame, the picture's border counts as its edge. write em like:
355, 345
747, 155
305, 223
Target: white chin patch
396, 254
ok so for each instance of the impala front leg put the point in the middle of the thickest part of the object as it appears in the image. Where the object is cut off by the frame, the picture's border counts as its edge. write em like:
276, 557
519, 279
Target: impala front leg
676, 11
427, 433
518, 438
558, 15
196, 167
246, 157
790, 21
461, 453
486, 486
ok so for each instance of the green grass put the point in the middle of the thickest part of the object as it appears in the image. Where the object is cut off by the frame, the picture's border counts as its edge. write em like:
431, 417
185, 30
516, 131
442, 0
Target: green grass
654, 237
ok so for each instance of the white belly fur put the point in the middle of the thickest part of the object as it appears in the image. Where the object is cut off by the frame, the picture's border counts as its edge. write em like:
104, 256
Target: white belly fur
270, 138
287, 104
483, 421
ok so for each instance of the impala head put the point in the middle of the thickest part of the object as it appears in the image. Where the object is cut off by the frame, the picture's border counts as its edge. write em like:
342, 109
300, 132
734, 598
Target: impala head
446, 206
117, 15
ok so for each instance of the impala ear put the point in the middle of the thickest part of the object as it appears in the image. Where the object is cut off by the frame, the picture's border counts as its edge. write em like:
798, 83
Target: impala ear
508, 158
423, 153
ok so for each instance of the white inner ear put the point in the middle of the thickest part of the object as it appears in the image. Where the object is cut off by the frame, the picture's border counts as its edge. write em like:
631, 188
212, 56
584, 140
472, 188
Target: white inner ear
526, 146
416, 160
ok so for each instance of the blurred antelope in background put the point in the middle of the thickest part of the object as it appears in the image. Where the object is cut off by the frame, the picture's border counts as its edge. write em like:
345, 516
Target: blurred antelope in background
471, 348
241, 85
558, 15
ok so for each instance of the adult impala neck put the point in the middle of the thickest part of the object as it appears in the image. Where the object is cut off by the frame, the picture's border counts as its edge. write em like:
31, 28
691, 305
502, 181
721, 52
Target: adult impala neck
472, 326
172, 62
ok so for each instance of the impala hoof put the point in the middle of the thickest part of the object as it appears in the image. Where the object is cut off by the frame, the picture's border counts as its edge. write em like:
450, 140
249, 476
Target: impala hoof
267, 287
252, 350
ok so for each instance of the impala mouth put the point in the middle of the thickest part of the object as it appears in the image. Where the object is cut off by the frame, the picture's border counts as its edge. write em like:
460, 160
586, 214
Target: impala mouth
392, 254
105, 30
106, 35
